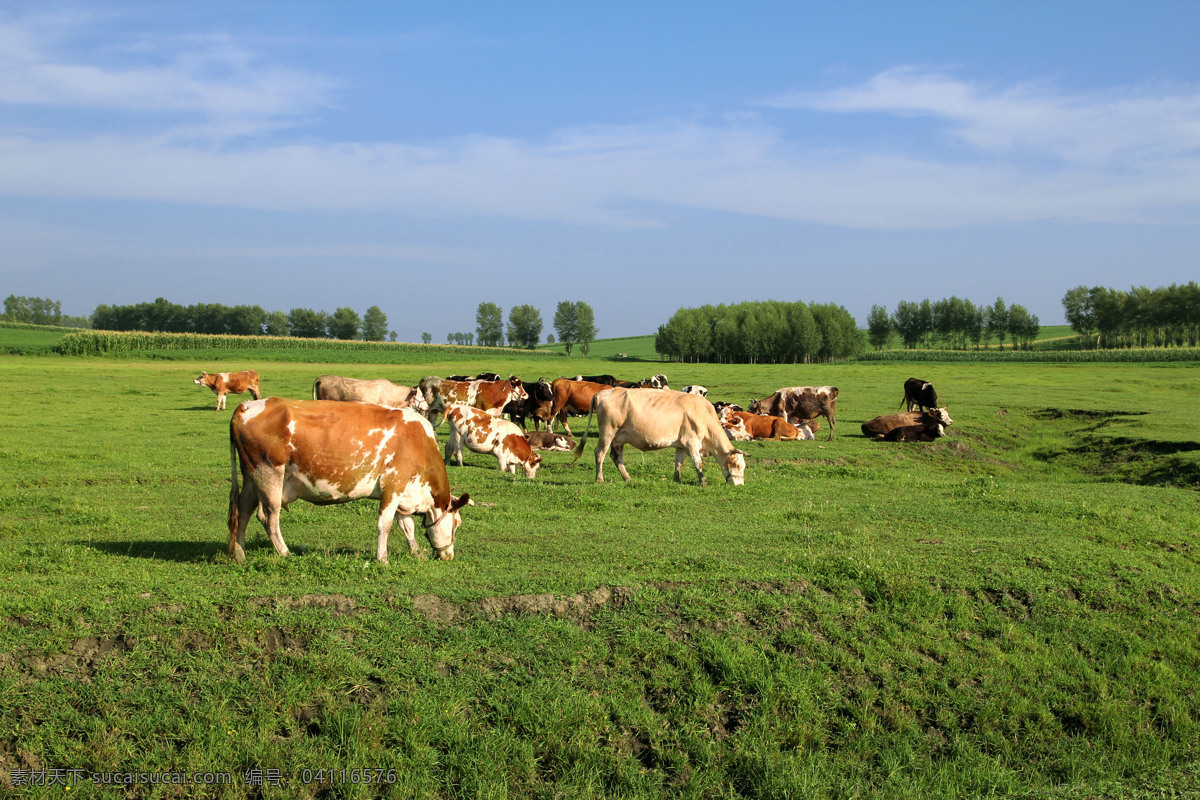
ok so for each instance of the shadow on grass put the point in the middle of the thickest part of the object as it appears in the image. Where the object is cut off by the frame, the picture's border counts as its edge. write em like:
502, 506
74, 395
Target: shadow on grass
163, 550
193, 552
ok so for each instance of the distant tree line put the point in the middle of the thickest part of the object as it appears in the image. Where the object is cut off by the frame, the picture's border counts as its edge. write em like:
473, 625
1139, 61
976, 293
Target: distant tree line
952, 324
574, 322
1140, 317
39, 311
770, 332
215, 318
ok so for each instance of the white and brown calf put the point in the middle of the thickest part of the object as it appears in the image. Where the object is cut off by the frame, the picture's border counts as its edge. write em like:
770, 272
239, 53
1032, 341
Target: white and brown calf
483, 433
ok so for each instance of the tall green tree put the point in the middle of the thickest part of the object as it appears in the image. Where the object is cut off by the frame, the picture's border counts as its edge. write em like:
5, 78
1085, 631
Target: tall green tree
276, 324
35, 310
1022, 326
489, 325
374, 325
306, 323
524, 326
345, 324
997, 321
879, 327
247, 320
585, 330
566, 323
908, 323
1080, 313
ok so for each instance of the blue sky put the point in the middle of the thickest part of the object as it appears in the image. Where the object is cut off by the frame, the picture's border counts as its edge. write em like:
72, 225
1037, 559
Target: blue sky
643, 157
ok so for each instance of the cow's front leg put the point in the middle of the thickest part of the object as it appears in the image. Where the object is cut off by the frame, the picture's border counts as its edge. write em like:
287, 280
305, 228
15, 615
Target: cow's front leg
406, 525
697, 460
387, 516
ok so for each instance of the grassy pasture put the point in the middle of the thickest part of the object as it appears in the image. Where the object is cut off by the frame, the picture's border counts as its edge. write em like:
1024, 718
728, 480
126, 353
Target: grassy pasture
1010, 611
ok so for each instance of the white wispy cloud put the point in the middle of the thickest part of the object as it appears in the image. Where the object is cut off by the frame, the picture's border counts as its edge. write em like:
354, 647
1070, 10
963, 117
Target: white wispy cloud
1093, 127
232, 88
1023, 152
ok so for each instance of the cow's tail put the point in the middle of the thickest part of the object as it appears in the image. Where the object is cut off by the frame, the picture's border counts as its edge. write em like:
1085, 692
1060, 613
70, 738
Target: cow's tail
316, 388
586, 428
234, 493
233, 488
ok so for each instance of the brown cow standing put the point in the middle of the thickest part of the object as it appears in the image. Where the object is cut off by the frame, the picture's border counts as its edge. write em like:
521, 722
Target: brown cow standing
571, 397
224, 383
797, 404
329, 452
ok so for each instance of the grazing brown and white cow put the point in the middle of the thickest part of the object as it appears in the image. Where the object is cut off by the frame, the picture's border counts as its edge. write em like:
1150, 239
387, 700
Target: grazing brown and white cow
571, 397
654, 419
224, 383
329, 452
484, 433
797, 404
489, 396
546, 440
380, 391
882, 425
918, 394
763, 426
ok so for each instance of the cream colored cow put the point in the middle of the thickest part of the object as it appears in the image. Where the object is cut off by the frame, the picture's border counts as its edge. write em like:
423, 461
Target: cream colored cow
655, 419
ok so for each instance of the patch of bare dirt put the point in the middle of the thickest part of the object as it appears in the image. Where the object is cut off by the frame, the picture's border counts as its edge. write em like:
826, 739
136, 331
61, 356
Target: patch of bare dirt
338, 604
575, 607
79, 662
276, 640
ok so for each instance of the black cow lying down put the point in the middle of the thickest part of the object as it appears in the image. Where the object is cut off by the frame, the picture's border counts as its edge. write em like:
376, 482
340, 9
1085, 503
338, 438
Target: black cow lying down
915, 433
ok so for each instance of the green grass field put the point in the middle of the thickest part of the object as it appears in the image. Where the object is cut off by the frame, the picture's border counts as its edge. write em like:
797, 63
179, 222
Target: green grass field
1009, 611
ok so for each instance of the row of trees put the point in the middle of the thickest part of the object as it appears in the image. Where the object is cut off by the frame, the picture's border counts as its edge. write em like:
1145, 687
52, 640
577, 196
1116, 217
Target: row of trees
163, 315
574, 322
1140, 317
39, 311
952, 324
770, 332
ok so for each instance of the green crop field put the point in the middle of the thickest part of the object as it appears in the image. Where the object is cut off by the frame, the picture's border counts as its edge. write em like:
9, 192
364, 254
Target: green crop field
1010, 611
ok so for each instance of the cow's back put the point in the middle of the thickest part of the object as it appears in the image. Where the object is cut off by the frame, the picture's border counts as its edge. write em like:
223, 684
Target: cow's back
657, 417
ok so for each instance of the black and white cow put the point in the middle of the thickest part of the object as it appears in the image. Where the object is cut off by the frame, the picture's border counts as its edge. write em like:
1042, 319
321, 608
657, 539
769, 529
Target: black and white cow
919, 394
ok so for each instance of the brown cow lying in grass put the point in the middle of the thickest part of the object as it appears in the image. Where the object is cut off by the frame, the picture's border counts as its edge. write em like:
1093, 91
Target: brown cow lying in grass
880, 426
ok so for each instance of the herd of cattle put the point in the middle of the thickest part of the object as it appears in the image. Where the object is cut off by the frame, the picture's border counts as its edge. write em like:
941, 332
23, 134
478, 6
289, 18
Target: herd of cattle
359, 439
